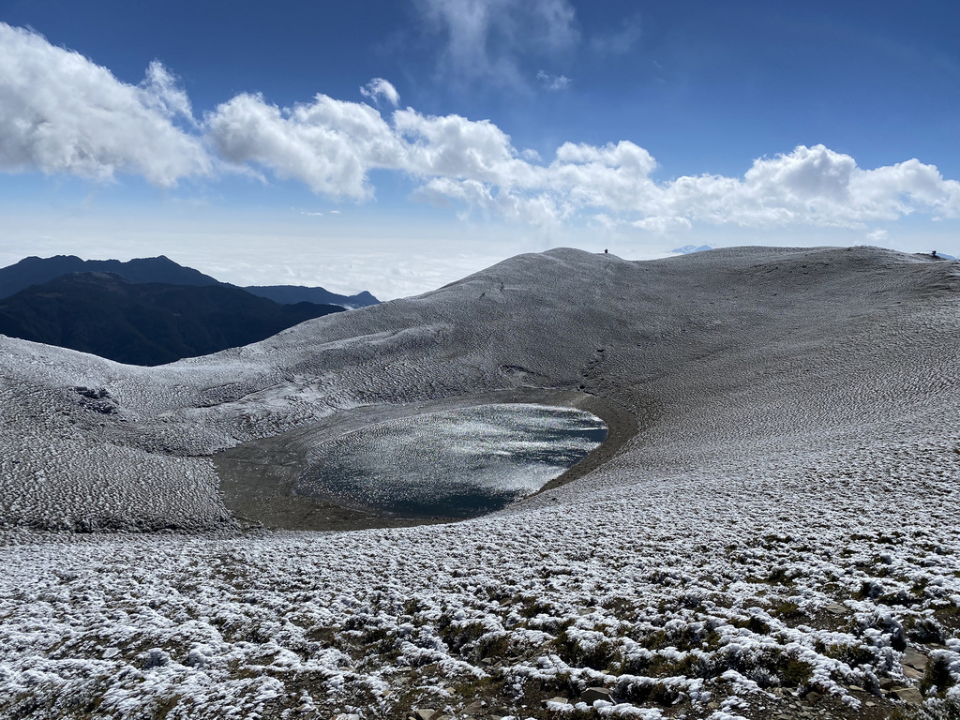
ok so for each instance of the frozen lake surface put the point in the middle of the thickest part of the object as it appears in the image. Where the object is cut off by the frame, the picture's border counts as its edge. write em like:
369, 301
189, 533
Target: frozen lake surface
458, 463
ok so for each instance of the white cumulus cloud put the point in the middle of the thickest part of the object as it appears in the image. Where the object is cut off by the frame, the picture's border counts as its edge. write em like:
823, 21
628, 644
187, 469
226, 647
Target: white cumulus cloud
813, 186
60, 112
329, 144
377, 88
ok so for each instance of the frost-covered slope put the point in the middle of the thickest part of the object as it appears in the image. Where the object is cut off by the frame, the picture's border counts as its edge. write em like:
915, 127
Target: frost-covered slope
709, 351
785, 517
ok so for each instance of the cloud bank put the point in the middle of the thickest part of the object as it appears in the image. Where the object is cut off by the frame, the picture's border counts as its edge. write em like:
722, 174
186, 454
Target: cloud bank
61, 113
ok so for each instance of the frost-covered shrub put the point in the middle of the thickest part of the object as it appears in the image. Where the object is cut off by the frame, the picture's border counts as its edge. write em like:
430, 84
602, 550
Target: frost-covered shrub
936, 709
937, 678
870, 589
457, 635
852, 655
493, 645
924, 630
645, 690
154, 658
754, 624
680, 635
890, 630
767, 666
584, 648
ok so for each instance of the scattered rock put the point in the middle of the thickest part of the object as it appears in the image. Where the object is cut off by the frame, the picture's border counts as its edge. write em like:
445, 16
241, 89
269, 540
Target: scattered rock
592, 694
915, 659
911, 673
909, 695
474, 708
424, 713
887, 684
557, 699
836, 609
97, 399
92, 393
813, 697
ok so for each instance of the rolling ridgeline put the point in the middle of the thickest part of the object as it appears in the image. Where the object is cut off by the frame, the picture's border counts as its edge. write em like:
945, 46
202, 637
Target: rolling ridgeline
149, 311
774, 536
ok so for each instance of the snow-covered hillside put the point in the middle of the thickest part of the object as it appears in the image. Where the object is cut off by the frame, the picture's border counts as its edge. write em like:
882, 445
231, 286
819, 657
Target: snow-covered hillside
779, 537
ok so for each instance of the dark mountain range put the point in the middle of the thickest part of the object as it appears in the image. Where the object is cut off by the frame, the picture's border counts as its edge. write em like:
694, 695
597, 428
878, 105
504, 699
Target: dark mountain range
288, 294
145, 323
35, 270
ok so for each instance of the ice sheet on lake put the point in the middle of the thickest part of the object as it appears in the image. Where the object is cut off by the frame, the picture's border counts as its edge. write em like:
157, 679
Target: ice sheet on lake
456, 463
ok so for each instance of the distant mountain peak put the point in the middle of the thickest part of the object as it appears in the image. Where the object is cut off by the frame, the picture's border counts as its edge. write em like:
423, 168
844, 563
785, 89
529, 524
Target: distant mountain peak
145, 323
35, 270
290, 294
687, 249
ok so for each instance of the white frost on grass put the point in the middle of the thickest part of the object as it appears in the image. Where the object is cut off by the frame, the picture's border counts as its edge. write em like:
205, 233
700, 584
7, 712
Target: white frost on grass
785, 522
210, 620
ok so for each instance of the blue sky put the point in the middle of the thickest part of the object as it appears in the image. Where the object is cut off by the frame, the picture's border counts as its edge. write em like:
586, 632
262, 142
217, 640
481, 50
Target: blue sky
398, 146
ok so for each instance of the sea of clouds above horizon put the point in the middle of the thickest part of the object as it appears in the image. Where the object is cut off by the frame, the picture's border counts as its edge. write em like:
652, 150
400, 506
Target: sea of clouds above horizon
60, 113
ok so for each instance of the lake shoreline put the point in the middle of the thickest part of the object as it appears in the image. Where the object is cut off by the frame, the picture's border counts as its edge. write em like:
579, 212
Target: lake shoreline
258, 478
